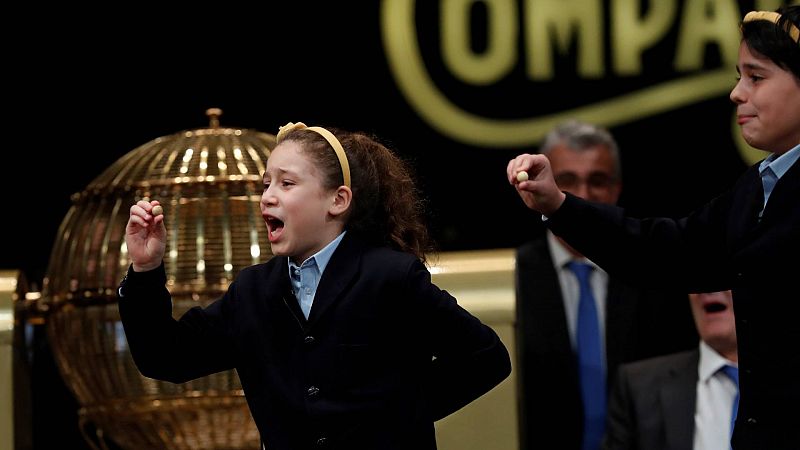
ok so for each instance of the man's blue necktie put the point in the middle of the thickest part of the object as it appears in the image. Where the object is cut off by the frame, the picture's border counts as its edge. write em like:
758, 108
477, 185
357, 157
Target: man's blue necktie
733, 373
590, 360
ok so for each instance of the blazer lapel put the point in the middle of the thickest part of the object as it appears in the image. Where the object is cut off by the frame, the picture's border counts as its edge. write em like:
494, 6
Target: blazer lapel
277, 280
620, 319
678, 397
341, 270
540, 307
279, 288
747, 206
784, 195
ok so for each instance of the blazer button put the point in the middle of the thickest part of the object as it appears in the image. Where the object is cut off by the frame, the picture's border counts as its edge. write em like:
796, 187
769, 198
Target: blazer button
308, 340
312, 391
322, 441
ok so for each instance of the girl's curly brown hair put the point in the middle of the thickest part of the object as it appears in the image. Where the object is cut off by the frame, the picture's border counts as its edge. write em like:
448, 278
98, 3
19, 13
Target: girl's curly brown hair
387, 208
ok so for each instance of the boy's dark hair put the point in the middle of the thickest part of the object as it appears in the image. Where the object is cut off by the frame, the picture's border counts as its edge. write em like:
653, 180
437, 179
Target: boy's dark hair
773, 40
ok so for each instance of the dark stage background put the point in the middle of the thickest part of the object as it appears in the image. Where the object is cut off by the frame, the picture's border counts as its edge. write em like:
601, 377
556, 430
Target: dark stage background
83, 93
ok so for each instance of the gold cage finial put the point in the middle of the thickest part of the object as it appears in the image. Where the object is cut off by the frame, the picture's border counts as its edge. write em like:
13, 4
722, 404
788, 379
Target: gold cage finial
213, 117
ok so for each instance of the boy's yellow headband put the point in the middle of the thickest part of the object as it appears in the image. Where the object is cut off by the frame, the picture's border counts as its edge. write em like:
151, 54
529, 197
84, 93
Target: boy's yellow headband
773, 17
337, 146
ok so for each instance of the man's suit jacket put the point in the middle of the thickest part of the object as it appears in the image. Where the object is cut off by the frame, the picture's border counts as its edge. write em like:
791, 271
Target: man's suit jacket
652, 404
720, 246
639, 324
384, 352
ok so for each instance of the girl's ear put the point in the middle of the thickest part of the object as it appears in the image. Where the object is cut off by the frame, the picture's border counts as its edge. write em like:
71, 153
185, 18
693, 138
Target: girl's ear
341, 201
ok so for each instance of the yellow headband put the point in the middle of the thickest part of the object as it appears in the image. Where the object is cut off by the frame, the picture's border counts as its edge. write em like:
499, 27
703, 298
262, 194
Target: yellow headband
337, 146
773, 17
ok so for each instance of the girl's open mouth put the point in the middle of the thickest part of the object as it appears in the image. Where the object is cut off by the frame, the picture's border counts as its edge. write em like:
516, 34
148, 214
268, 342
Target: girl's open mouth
274, 227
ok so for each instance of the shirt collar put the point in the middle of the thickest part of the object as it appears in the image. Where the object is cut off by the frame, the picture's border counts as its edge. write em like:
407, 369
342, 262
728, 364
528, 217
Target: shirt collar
322, 257
710, 362
780, 164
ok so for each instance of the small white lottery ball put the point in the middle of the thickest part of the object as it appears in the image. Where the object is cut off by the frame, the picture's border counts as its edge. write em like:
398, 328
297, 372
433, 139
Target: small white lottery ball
157, 210
522, 176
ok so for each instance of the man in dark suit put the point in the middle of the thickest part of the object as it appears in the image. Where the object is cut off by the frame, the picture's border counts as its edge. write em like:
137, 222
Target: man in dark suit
683, 400
636, 323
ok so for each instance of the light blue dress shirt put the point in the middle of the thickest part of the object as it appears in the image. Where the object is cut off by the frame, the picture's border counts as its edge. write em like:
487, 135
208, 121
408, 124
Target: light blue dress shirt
305, 277
773, 168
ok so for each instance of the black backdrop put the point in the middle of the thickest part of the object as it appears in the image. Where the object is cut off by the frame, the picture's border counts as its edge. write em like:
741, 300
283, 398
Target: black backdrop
80, 93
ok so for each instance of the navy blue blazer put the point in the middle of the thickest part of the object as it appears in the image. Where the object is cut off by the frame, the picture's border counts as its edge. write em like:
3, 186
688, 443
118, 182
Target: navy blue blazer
720, 246
383, 354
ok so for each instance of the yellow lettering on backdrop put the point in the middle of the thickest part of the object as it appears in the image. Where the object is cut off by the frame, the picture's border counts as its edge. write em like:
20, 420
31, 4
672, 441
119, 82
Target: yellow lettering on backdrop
632, 33
704, 22
772, 5
563, 20
502, 32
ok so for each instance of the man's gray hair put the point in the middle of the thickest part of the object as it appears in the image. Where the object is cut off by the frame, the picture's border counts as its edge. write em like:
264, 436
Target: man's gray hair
579, 136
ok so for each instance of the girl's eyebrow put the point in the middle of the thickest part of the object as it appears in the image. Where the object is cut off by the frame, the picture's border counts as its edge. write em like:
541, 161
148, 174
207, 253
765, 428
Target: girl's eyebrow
278, 171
